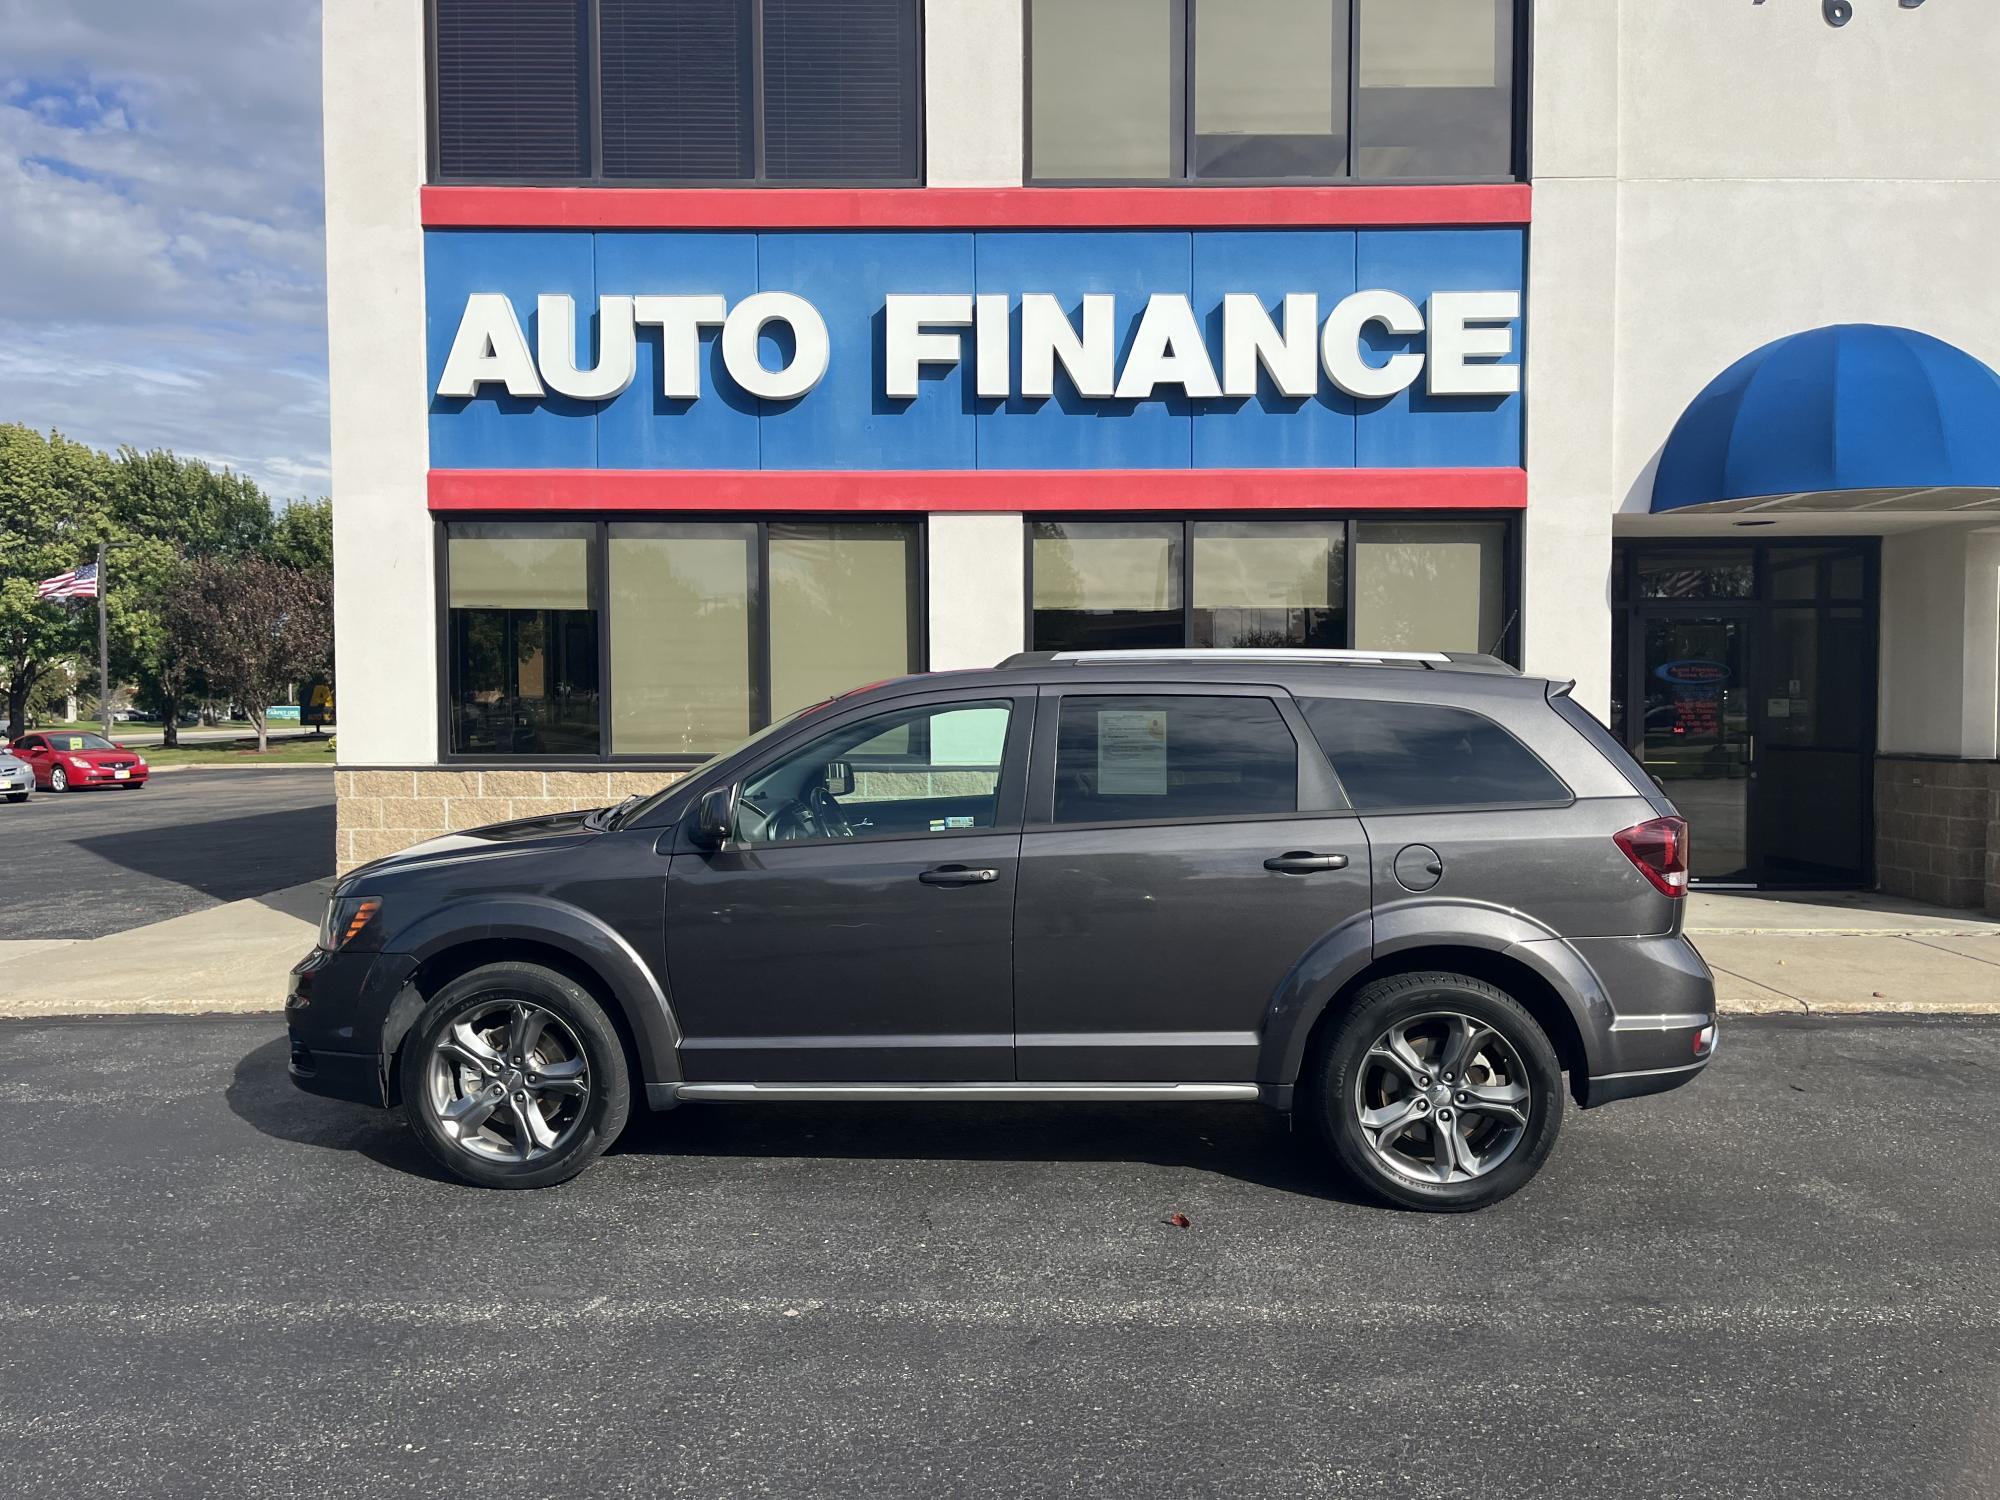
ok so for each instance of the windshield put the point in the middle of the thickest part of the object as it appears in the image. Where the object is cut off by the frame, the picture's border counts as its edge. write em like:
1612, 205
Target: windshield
639, 809
79, 742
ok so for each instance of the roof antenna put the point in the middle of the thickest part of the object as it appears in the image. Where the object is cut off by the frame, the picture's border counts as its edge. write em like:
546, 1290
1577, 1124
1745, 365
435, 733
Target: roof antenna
1505, 630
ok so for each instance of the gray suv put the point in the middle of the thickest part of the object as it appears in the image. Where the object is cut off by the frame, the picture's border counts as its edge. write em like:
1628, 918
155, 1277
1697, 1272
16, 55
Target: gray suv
1401, 894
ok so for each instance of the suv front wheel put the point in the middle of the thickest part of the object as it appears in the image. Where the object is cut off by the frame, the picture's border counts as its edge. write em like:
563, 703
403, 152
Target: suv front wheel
1438, 1091
514, 1078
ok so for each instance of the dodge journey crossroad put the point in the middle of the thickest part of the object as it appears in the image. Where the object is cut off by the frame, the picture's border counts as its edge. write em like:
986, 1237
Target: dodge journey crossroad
1415, 898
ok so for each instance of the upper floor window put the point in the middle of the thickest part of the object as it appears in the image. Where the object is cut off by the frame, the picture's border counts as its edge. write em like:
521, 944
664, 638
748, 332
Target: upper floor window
696, 92
1272, 90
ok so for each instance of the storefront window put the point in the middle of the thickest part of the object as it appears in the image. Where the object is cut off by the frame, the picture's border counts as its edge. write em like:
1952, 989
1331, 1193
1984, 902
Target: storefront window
843, 608
1107, 585
712, 628
1434, 89
1418, 585
1431, 586
683, 644
523, 641
667, 91
1697, 573
1264, 90
1270, 583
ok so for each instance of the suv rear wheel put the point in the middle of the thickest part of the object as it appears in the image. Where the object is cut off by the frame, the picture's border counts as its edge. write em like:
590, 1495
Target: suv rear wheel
1438, 1091
513, 1077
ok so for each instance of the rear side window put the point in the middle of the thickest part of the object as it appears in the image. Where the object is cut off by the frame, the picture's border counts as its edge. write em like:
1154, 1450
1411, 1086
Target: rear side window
1404, 755
1132, 759
1585, 722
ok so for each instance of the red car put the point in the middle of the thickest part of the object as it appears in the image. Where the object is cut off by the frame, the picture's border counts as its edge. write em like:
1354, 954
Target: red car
66, 759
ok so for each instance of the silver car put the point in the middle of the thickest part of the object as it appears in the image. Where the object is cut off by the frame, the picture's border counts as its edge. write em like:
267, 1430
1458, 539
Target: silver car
16, 779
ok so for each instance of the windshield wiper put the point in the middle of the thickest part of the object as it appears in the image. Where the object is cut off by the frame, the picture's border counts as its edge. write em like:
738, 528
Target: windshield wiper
607, 817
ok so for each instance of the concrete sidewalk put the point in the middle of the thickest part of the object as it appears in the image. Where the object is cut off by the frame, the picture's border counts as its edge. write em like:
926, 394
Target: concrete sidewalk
232, 957
1813, 954
1848, 952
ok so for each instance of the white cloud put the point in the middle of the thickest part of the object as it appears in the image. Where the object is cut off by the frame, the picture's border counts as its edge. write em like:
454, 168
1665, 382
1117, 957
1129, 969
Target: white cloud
162, 269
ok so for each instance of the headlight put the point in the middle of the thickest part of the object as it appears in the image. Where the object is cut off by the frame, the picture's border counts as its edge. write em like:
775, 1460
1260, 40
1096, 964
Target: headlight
142, 761
347, 917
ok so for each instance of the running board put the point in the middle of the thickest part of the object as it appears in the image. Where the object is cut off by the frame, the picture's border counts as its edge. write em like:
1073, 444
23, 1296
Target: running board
1187, 1093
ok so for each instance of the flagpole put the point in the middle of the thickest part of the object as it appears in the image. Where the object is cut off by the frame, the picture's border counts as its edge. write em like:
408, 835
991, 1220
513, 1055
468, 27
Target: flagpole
103, 649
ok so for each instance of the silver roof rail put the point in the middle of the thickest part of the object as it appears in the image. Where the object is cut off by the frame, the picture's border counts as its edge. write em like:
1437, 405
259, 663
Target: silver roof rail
1259, 653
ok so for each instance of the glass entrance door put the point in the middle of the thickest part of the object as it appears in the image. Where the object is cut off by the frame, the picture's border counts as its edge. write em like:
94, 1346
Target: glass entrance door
1696, 735
1744, 679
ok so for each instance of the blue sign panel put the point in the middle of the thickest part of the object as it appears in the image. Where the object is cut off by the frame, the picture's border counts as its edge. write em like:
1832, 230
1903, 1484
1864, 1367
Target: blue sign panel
1251, 349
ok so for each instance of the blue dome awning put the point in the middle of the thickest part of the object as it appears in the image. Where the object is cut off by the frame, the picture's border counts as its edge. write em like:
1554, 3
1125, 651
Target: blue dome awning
1857, 406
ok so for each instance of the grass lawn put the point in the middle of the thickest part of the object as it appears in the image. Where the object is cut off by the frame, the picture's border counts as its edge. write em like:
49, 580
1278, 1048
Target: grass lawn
286, 750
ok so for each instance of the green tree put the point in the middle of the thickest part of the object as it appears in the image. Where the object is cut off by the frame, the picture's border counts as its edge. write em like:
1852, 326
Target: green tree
54, 509
166, 511
302, 535
252, 627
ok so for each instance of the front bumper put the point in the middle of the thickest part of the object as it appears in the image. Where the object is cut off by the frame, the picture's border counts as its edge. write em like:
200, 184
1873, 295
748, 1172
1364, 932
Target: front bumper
99, 776
335, 1009
17, 781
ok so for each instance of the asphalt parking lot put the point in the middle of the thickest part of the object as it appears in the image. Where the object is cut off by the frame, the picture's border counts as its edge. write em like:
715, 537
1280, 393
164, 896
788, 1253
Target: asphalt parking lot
1784, 1281
89, 863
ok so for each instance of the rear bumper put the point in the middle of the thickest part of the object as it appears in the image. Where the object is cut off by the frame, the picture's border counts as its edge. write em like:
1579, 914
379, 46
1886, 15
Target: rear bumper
1662, 1031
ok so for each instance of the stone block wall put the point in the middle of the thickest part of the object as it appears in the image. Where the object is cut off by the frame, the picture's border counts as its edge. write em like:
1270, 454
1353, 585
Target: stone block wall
1937, 830
380, 812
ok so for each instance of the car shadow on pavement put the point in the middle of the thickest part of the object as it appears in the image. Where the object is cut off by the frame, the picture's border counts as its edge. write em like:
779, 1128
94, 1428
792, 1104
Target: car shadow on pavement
261, 1093
1241, 1141
227, 859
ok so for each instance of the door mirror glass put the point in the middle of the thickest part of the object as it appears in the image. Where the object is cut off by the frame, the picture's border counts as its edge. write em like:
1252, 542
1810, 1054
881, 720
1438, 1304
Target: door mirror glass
714, 817
839, 778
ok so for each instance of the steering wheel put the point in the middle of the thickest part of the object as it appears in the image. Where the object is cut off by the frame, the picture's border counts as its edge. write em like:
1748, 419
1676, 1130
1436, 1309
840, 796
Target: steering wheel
826, 812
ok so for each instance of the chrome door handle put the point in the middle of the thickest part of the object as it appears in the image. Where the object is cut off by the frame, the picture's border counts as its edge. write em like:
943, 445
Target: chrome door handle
958, 875
1305, 864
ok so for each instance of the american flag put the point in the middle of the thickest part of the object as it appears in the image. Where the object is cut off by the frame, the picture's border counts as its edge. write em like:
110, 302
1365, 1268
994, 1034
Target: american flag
77, 583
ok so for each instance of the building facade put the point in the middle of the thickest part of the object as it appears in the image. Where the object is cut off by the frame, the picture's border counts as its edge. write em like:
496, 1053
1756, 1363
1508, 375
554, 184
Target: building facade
695, 359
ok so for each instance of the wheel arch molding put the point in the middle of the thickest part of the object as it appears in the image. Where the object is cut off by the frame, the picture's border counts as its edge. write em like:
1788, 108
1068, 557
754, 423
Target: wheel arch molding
455, 938
1523, 958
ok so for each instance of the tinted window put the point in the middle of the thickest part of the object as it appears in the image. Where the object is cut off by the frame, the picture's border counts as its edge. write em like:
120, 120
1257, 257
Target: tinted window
511, 91
1143, 759
695, 91
1392, 755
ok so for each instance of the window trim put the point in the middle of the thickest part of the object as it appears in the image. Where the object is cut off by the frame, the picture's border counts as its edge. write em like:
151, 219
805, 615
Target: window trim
599, 566
435, 175
1510, 646
1184, 117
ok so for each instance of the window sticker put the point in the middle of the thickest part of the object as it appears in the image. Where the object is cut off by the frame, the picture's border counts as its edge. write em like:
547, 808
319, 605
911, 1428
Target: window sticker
1132, 752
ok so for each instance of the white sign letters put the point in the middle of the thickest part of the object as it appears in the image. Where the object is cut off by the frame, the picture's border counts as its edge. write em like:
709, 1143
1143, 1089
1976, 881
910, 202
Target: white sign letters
1468, 335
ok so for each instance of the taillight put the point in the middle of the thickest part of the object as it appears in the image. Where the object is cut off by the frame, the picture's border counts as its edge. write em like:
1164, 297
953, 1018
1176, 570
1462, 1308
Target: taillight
1659, 847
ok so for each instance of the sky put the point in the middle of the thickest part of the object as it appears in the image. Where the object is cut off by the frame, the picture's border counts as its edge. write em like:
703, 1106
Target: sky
162, 261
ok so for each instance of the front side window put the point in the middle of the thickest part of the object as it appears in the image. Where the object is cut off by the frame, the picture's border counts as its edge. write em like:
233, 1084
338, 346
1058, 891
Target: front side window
694, 91
1126, 758
908, 773
522, 658
1271, 90
1398, 756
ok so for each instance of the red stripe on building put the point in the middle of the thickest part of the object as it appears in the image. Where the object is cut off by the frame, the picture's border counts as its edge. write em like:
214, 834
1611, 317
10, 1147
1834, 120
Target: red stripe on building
1034, 490
974, 208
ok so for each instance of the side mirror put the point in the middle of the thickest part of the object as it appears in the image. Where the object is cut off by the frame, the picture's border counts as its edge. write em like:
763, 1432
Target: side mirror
715, 817
839, 778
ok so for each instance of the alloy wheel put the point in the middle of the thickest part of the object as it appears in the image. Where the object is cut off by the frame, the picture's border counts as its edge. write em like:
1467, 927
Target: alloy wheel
58, 780
1442, 1097
509, 1081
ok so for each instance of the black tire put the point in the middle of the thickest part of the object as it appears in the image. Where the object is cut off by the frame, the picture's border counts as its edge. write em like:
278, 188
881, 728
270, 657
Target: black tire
58, 780
1338, 1071
583, 1138
17, 796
